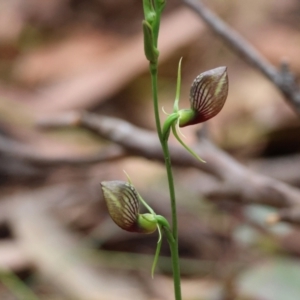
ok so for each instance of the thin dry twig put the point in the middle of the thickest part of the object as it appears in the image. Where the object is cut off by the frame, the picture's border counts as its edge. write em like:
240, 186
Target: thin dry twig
236, 182
283, 79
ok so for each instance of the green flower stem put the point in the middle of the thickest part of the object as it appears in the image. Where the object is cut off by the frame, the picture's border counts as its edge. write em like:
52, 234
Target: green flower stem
174, 241
153, 72
175, 262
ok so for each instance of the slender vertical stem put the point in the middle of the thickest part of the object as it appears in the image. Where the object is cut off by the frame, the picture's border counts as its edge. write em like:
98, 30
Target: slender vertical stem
175, 262
153, 72
165, 148
171, 189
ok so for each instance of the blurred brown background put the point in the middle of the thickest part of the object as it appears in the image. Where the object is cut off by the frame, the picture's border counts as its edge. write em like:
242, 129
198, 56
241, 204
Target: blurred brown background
57, 241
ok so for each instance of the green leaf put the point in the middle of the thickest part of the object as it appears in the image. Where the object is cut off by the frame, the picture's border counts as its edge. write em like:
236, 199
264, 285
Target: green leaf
151, 52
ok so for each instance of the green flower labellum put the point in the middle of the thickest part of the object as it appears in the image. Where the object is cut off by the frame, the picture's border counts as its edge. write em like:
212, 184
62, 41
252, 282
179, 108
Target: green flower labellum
123, 205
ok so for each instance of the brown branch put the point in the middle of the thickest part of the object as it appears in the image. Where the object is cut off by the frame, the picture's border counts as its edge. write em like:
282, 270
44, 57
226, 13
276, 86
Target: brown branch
135, 140
27, 154
283, 79
273, 167
237, 182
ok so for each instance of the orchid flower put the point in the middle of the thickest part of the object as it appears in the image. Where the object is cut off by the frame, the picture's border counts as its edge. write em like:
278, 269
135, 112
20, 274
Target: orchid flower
207, 97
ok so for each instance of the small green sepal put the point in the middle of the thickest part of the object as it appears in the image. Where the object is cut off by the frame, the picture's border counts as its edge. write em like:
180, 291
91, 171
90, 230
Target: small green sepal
184, 145
162, 224
178, 85
157, 251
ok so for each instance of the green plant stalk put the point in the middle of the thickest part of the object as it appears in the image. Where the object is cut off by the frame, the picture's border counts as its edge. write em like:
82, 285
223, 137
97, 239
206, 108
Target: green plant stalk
173, 243
175, 262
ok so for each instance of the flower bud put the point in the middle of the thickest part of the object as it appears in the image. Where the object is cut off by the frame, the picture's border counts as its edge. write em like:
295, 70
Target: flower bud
150, 50
207, 97
123, 205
